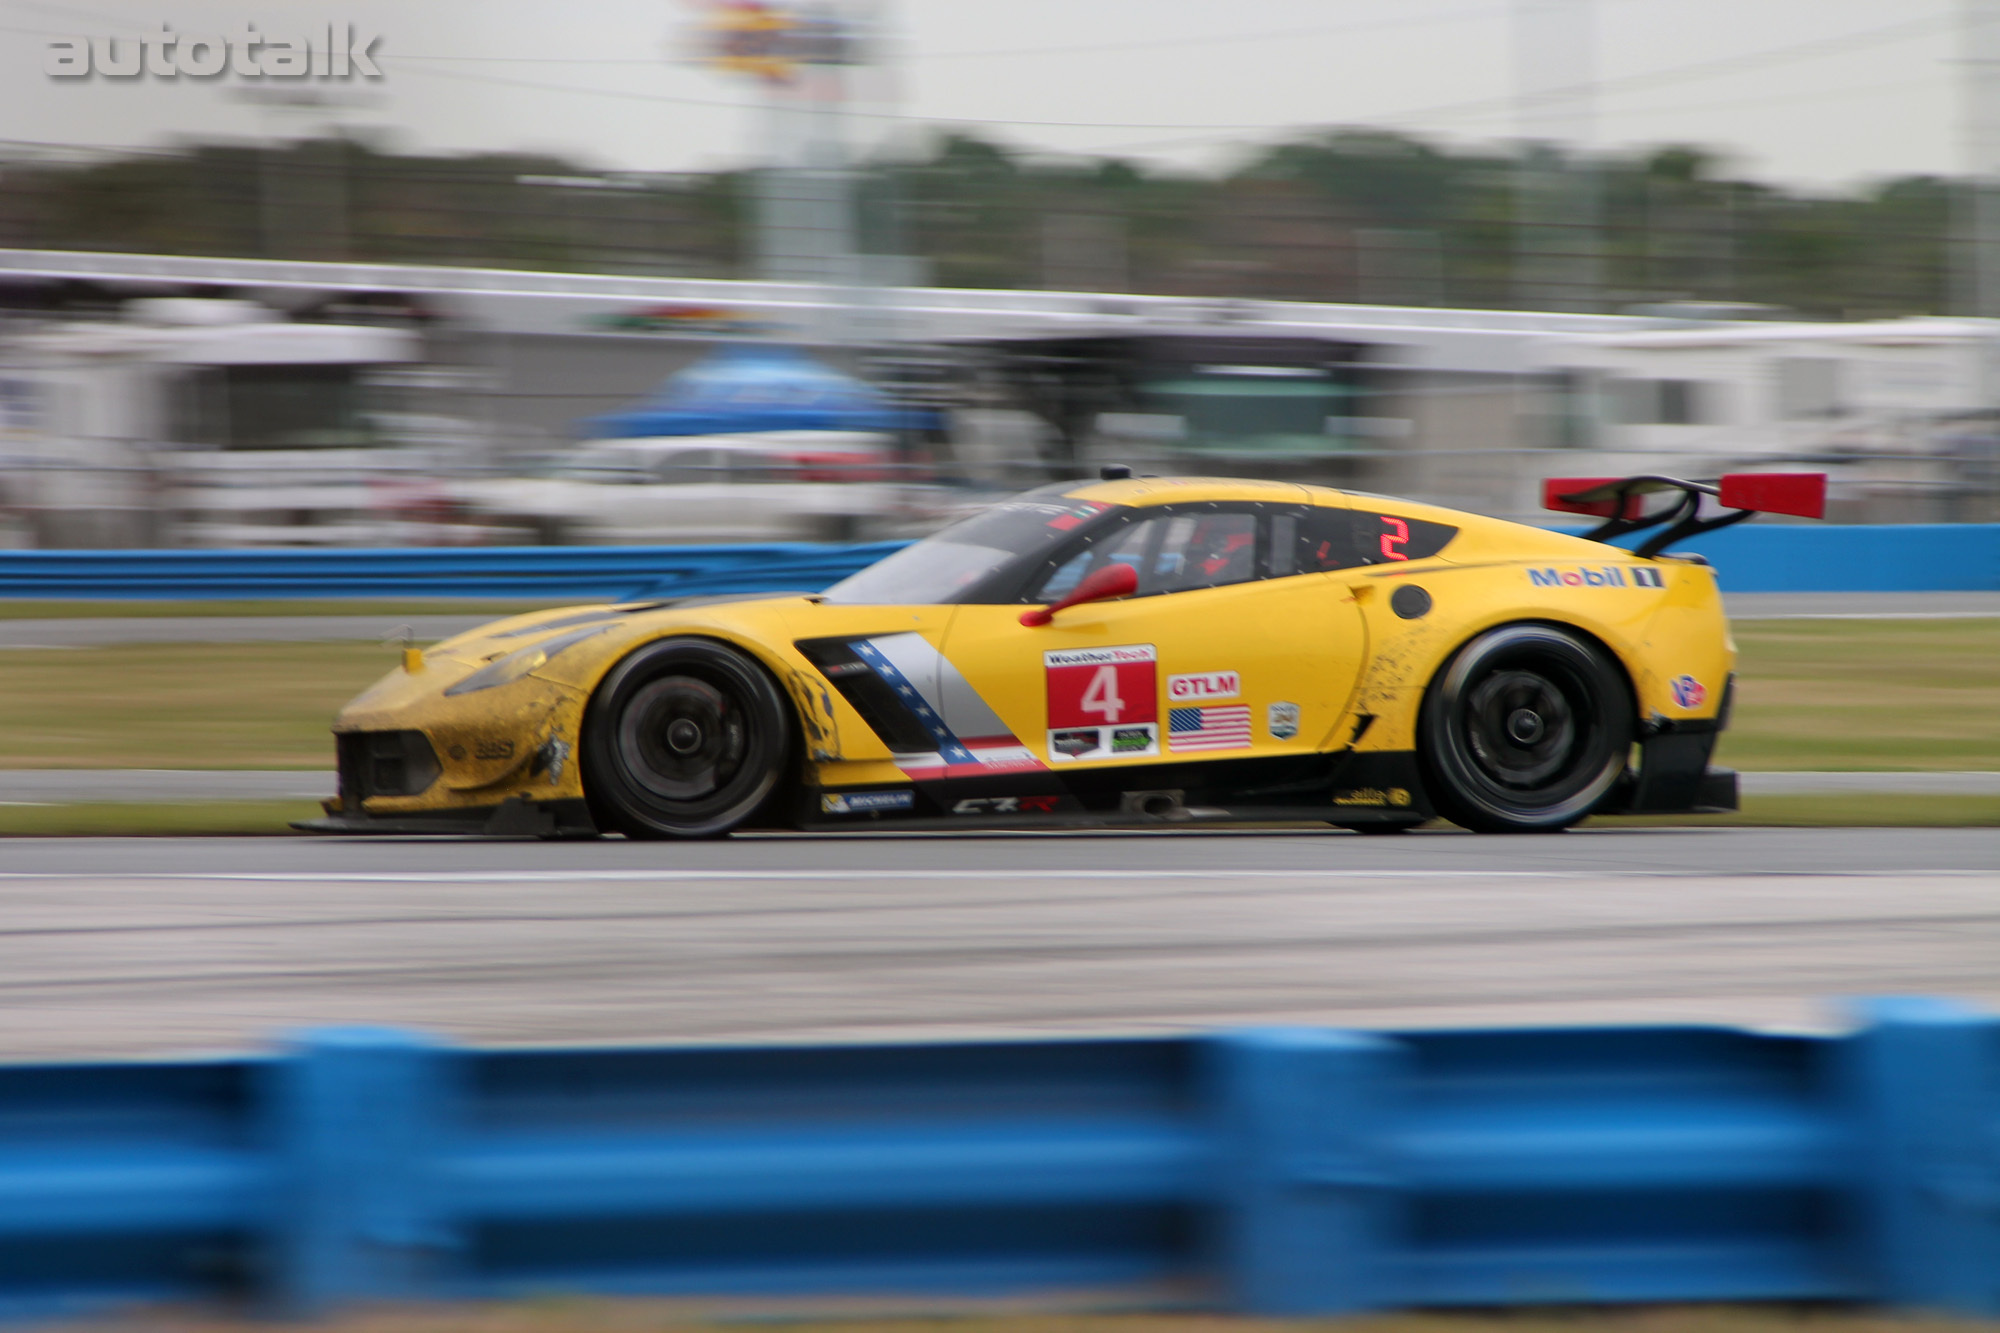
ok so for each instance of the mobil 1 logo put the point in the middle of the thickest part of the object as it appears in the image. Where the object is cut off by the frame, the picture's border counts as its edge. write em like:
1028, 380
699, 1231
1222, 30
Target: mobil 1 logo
1601, 576
1103, 703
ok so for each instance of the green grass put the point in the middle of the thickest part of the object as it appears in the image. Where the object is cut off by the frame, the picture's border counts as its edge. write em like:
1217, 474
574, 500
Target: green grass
131, 819
179, 705
1886, 695
1866, 694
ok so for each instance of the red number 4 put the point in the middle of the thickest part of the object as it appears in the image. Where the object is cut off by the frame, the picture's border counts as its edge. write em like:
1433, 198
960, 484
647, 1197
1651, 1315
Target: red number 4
1398, 535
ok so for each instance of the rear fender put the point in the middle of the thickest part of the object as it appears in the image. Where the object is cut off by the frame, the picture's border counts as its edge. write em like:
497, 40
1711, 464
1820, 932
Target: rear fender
1407, 652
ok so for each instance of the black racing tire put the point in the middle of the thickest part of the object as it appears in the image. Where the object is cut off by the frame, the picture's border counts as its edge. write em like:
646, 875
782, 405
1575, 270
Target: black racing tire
1524, 730
686, 738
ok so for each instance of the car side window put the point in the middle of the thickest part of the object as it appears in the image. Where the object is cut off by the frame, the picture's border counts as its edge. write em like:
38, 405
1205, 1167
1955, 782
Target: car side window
1122, 546
1171, 551
1324, 539
1204, 551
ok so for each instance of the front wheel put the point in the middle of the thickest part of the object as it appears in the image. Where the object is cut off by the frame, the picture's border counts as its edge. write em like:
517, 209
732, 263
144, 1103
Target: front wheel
686, 738
1524, 731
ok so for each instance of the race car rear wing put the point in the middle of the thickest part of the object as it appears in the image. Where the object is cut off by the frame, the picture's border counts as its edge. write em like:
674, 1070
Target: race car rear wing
1621, 503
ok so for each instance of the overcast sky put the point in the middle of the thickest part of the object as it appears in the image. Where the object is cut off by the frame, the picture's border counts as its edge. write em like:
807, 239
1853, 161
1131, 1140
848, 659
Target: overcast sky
1820, 93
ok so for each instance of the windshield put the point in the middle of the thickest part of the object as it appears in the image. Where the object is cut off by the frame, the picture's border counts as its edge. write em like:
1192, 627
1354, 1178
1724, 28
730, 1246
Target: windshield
940, 568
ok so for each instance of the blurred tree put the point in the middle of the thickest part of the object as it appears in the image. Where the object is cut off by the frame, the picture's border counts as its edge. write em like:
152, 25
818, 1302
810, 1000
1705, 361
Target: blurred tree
1341, 215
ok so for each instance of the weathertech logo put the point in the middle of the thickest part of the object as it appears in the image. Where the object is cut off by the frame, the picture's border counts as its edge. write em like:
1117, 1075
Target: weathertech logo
1605, 576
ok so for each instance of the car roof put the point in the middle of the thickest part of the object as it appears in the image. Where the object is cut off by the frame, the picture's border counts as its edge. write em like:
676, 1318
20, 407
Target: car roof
1144, 491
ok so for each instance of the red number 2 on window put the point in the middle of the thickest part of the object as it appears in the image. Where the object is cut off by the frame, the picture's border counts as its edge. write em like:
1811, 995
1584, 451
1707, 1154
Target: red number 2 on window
1397, 535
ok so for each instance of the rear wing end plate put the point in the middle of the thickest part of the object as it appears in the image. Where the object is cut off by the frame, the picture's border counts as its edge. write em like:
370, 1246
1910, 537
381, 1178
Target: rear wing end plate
1621, 503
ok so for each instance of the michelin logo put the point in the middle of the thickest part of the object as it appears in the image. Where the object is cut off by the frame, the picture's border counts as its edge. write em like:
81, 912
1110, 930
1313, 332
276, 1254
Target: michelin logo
1606, 576
863, 802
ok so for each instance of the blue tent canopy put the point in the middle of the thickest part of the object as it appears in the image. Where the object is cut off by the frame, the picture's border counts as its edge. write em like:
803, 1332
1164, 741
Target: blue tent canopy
755, 388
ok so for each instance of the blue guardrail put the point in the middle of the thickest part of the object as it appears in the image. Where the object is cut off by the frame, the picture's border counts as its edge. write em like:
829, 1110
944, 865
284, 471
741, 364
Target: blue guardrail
1279, 1171
1882, 557
1750, 558
556, 574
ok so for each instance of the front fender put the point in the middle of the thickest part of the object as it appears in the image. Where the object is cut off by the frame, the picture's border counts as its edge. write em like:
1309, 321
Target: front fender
754, 634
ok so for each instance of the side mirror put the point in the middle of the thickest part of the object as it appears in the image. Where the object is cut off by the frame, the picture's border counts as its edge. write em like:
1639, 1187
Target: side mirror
1110, 581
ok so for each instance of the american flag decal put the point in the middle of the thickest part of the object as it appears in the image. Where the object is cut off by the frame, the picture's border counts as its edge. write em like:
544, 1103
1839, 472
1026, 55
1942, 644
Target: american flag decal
1225, 727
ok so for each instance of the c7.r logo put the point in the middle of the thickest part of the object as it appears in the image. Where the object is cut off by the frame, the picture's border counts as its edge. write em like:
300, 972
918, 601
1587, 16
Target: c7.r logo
1005, 805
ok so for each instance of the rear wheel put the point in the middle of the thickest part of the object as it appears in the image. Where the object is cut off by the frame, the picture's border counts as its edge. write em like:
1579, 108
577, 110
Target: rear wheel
686, 738
1524, 730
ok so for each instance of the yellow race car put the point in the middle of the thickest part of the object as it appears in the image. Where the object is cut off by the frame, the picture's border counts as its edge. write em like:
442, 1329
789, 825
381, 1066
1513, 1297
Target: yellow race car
1128, 651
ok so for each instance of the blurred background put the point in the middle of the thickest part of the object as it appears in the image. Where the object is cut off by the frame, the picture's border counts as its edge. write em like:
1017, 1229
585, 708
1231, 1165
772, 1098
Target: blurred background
748, 271
328, 331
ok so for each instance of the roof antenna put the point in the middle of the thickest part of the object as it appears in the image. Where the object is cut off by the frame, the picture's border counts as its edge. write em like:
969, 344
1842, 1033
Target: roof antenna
1115, 472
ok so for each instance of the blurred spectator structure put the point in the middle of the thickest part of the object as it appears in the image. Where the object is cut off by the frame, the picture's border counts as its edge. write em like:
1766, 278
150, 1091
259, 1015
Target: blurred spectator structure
1336, 309
752, 443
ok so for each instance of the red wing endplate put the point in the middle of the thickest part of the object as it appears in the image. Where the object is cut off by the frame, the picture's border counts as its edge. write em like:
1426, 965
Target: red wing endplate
1620, 502
1600, 497
1801, 494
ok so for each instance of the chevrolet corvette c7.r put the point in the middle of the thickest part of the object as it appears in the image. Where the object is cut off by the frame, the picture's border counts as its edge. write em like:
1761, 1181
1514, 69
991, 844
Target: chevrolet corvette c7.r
1127, 651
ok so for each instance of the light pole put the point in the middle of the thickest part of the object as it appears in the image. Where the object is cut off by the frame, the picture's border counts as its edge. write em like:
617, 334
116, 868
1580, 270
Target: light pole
1558, 261
1977, 272
302, 102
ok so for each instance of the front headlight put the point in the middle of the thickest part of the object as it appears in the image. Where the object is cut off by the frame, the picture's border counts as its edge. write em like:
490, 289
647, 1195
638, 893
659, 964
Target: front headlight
506, 670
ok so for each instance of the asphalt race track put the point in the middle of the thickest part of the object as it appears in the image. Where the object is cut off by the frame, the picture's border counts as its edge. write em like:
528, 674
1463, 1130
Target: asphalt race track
130, 946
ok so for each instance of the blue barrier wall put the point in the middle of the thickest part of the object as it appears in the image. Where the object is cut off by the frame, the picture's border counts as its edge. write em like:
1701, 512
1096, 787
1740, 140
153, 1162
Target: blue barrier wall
555, 574
1751, 557
1889, 557
1279, 1172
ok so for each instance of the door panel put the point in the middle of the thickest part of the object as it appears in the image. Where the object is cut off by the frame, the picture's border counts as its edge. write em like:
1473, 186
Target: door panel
1250, 669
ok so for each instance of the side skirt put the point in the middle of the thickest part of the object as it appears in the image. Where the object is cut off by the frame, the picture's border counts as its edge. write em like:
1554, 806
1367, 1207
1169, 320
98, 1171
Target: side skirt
1341, 788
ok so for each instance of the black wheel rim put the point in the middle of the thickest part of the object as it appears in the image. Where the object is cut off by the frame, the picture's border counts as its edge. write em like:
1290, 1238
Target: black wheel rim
683, 739
1522, 729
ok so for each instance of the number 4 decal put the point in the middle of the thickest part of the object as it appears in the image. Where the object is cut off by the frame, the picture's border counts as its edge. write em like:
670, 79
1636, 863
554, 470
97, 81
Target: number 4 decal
1104, 703
1398, 535
1101, 695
